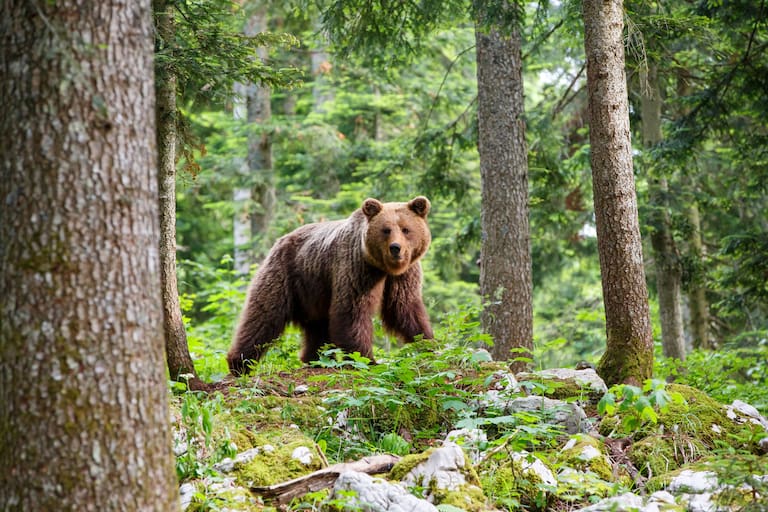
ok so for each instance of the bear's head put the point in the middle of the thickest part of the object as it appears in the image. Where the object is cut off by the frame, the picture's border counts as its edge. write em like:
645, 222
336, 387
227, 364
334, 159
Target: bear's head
397, 234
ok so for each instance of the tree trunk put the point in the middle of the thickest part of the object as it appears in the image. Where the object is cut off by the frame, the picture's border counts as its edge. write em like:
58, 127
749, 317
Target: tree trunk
697, 295
84, 421
505, 272
629, 345
668, 269
180, 365
260, 149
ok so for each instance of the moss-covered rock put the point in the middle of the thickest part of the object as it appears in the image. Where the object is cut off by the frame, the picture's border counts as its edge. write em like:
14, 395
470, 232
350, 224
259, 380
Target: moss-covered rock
522, 478
282, 455
661, 453
585, 453
563, 383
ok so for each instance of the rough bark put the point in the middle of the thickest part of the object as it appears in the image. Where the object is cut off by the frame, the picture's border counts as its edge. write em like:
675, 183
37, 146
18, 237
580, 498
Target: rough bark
629, 345
180, 365
83, 396
505, 271
667, 266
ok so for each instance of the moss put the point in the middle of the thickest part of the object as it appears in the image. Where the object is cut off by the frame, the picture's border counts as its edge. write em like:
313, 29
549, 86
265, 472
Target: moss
574, 457
511, 483
269, 468
407, 463
469, 498
661, 453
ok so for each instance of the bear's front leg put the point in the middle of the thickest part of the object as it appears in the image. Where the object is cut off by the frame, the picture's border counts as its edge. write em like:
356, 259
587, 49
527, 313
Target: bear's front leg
351, 327
403, 310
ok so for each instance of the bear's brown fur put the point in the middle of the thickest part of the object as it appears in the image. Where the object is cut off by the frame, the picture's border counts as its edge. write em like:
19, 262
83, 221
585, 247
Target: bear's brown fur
329, 278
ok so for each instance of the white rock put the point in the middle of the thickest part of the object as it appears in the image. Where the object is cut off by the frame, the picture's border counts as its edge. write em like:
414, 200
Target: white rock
441, 469
300, 389
589, 452
693, 481
377, 495
187, 491
303, 455
623, 503
227, 465
535, 467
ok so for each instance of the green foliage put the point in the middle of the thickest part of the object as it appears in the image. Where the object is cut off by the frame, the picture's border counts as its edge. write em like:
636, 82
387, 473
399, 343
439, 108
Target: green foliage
638, 407
197, 426
735, 371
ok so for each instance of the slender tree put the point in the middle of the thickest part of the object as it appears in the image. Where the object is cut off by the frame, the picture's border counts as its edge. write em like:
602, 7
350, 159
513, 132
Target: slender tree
629, 345
668, 269
505, 273
83, 396
180, 365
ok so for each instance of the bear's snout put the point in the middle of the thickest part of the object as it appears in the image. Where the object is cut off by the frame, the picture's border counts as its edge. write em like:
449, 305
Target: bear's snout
394, 249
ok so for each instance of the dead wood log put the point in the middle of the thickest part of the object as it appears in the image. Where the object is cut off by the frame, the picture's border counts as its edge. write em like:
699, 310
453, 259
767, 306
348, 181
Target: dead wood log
322, 479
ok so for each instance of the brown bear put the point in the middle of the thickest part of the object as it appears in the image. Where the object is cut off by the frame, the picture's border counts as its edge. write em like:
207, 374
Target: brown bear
330, 278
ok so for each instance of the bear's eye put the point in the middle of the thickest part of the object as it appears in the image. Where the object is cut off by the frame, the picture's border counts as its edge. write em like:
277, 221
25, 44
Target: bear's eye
406, 231
386, 231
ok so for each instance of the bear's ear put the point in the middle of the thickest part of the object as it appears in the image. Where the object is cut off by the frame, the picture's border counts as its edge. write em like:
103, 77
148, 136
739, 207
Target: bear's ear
420, 206
371, 207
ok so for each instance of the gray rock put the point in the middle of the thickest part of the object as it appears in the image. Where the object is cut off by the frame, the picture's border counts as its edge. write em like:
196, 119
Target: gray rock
377, 495
571, 416
742, 412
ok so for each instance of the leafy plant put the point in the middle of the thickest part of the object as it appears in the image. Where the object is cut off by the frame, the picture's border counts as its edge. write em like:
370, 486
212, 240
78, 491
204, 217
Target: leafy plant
636, 406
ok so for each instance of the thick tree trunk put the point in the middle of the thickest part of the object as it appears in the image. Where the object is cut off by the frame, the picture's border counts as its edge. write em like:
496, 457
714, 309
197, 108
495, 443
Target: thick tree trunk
668, 269
180, 365
84, 421
629, 346
505, 272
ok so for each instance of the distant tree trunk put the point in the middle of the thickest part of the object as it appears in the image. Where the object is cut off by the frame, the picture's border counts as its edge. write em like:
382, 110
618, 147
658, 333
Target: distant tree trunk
505, 272
260, 148
176, 348
256, 203
84, 421
668, 269
697, 294
629, 346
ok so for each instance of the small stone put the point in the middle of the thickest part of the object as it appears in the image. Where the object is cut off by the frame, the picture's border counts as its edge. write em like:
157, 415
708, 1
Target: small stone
303, 455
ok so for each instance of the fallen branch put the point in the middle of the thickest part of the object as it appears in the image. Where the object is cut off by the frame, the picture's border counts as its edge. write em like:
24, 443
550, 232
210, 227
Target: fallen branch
324, 478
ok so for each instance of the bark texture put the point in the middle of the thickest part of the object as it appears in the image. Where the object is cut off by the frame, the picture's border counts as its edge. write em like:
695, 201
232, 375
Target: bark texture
176, 348
629, 345
668, 269
83, 396
505, 272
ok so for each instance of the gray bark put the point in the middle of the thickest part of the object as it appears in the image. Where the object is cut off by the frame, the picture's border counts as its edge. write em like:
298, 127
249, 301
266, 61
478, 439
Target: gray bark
505, 272
84, 422
629, 344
